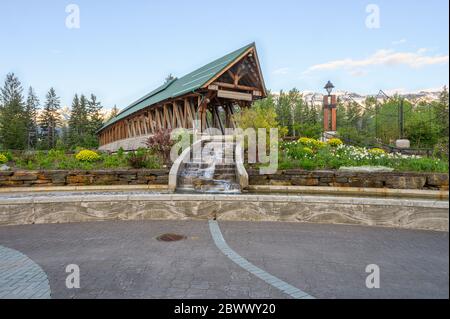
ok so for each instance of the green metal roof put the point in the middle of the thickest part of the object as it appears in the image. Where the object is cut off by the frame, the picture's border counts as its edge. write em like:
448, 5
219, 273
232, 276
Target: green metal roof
181, 86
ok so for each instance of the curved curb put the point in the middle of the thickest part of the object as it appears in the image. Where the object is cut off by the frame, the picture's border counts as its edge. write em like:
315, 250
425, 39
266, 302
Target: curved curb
21, 277
258, 272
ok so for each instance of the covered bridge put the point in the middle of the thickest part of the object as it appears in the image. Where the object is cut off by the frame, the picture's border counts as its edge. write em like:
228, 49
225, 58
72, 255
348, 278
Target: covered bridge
210, 95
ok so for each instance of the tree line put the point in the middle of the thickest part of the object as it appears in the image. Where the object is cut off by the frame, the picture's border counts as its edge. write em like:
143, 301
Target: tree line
374, 122
25, 124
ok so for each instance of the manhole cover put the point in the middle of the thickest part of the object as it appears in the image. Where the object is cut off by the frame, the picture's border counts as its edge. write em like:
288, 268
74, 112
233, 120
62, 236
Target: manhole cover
170, 237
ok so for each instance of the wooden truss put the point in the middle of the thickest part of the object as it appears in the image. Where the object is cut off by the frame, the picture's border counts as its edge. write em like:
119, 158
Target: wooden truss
212, 106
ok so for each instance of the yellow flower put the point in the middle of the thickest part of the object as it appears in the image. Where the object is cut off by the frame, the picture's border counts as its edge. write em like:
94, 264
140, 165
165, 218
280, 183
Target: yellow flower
305, 140
334, 142
377, 151
308, 150
3, 159
319, 144
87, 156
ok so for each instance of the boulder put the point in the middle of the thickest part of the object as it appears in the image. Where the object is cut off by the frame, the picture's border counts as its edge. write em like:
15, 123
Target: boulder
4, 168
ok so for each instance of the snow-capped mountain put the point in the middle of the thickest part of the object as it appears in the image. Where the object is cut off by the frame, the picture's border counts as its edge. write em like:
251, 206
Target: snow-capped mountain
316, 98
65, 115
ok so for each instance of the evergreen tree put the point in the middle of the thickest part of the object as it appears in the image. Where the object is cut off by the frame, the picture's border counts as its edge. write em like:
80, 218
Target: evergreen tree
352, 115
442, 112
73, 134
169, 78
83, 115
284, 111
441, 118
50, 119
13, 132
95, 115
113, 113
31, 108
85, 119
78, 122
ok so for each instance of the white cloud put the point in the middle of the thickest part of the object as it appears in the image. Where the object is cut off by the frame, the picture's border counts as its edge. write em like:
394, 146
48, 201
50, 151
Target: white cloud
383, 58
358, 72
423, 50
281, 71
401, 41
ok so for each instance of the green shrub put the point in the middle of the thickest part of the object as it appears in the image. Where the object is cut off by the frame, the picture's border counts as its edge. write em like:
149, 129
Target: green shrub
138, 158
153, 162
120, 152
43, 161
3, 159
288, 164
334, 142
308, 164
114, 161
87, 156
9, 155
377, 151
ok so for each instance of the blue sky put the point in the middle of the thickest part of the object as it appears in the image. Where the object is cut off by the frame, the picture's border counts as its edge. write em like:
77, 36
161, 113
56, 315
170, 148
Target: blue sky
124, 49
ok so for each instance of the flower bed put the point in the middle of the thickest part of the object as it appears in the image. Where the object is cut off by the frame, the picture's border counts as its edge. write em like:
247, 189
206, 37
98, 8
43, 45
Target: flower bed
311, 154
81, 160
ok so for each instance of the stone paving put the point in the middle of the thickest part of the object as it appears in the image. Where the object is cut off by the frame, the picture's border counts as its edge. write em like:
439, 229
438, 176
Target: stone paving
119, 259
20, 277
124, 260
329, 261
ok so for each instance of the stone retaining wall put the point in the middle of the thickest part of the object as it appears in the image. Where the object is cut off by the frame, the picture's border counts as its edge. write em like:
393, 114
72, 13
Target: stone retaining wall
294, 177
80, 178
402, 213
397, 180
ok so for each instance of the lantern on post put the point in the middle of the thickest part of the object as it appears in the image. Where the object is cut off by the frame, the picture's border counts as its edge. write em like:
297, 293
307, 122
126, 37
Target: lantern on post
329, 109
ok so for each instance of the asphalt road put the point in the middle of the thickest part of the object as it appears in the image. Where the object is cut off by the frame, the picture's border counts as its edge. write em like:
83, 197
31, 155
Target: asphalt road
124, 259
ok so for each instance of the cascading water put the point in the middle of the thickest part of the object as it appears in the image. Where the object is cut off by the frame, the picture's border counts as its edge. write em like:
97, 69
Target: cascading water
212, 172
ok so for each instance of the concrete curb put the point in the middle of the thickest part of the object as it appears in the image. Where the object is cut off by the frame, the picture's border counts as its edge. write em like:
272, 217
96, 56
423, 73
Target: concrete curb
18, 190
257, 189
225, 198
361, 191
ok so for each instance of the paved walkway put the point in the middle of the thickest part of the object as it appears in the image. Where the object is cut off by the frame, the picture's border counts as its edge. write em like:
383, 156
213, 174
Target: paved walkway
20, 277
124, 260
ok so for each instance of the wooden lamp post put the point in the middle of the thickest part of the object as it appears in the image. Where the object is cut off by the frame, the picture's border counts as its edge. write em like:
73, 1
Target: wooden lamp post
329, 109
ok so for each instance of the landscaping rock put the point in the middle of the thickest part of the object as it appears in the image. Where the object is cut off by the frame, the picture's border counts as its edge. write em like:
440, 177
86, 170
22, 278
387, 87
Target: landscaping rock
24, 176
295, 177
305, 182
437, 180
80, 179
406, 182
349, 178
367, 169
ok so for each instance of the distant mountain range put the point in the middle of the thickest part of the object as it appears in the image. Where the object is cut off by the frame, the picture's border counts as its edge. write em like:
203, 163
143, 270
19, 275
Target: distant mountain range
65, 115
415, 97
